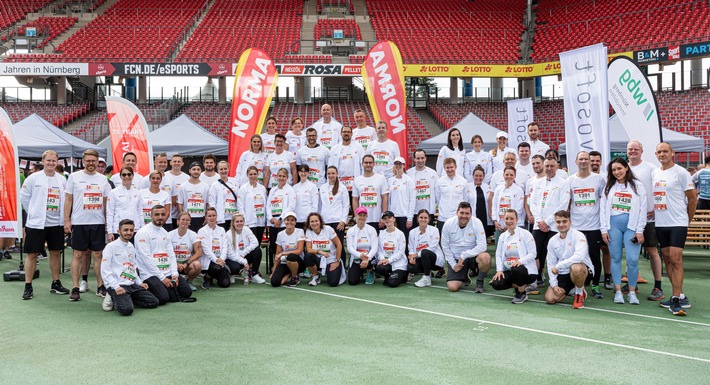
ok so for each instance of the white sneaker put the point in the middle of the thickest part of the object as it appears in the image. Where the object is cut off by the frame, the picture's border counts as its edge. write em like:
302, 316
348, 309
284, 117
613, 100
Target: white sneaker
83, 286
315, 281
107, 305
423, 282
618, 297
633, 299
257, 279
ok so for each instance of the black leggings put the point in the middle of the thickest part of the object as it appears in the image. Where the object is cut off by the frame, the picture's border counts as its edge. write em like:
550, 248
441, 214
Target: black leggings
253, 258
355, 272
594, 241
393, 278
515, 276
341, 236
259, 234
215, 271
333, 277
281, 270
541, 240
402, 225
424, 263
135, 296
164, 294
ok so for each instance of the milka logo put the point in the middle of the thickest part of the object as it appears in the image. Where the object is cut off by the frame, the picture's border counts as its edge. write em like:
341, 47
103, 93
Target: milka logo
637, 94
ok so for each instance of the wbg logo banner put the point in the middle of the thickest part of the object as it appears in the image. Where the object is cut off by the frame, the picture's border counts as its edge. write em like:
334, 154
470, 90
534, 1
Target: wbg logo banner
255, 83
129, 133
633, 100
9, 180
383, 76
586, 102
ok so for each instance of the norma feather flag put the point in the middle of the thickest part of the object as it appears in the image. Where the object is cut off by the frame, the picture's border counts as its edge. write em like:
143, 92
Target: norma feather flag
9, 180
383, 75
254, 86
129, 133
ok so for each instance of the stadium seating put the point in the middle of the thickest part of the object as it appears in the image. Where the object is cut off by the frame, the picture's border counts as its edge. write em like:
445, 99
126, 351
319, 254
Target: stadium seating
324, 28
51, 27
232, 26
451, 31
132, 31
12, 11
51, 112
312, 59
335, 3
624, 25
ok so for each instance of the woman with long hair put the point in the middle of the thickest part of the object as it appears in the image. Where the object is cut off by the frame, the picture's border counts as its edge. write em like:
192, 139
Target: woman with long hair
323, 251
335, 204
515, 258
187, 248
247, 247
153, 196
254, 157
425, 253
223, 196
295, 139
453, 149
251, 202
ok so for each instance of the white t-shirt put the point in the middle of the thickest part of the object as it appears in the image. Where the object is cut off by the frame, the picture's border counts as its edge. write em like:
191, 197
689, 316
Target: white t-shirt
166, 184
458, 155
288, 242
643, 172
88, 193
267, 141
424, 183
281, 201
193, 198
669, 200
295, 142
328, 133
247, 159
384, 154
209, 179
363, 136
369, 191
323, 241
347, 159
177, 182
585, 195
275, 162
183, 246
317, 159
148, 200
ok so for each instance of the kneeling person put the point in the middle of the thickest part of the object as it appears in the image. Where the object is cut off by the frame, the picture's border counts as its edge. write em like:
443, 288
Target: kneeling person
568, 263
391, 257
118, 270
463, 241
515, 259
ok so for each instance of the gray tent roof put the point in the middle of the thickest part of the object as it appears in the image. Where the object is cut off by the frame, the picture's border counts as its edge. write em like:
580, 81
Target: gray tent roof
35, 135
470, 125
619, 138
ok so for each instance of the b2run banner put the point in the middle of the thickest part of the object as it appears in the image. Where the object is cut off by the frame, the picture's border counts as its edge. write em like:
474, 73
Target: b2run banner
586, 101
255, 84
383, 76
129, 133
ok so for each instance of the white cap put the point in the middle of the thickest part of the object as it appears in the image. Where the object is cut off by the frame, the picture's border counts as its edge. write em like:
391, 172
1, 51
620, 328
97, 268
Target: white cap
102, 160
502, 134
289, 214
399, 159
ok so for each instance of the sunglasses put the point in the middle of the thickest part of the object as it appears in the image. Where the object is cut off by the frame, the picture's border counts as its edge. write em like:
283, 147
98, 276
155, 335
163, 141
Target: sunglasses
126, 174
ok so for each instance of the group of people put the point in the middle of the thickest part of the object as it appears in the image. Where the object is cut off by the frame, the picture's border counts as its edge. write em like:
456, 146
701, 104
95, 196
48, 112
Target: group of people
165, 229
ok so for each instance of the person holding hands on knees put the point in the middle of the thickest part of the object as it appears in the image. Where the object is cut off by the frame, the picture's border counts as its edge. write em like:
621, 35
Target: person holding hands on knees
288, 258
515, 259
362, 246
391, 259
323, 251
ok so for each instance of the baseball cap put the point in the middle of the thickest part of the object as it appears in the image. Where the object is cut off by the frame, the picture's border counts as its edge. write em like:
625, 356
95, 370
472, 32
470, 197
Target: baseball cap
399, 159
502, 134
102, 160
289, 214
387, 214
361, 210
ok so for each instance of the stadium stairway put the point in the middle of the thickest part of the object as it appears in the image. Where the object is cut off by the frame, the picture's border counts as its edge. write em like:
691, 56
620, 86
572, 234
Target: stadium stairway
84, 19
203, 14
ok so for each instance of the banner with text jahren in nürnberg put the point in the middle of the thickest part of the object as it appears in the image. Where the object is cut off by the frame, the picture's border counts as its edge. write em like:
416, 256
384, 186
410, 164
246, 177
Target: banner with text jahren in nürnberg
254, 86
586, 102
633, 100
9, 181
129, 133
383, 76
520, 113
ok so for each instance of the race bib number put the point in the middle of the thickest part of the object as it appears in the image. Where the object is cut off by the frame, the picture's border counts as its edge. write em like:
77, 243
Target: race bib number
621, 201
583, 197
362, 245
276, 206
53, 199
363, 140
182, 253
240, 245
216, 247
423, 190
93, 201
503, 206
161, 261
230, 205
321, 245
347, 181
660, 201
388, 248
196, 205
259, 210
129, 271
368, 199
382, 158
327, 142
313, 175
269, 148
422, 245
147, 209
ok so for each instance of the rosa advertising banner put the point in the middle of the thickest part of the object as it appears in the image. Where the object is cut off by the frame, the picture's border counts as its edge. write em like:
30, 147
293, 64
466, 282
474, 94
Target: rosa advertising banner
9, 180
255, 83
383, 76
129, 133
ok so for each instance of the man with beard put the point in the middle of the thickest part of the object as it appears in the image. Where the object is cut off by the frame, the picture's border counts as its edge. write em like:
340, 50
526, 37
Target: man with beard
192, 197
537, 147
209, 176
346, 156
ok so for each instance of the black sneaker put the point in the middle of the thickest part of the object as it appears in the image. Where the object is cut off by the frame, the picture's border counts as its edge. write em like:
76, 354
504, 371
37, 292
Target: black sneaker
206, 284
7, 255
75, 295
607, 284
294, 281
57, 288
479, 287
101, 291
28, 293
439, 274
675, 307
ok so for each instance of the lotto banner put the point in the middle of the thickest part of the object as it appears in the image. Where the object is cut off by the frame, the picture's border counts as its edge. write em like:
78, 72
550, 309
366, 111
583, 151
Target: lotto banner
255, 83
586, 101
129, 133
383, 76
520, 113
9, 181
634, 102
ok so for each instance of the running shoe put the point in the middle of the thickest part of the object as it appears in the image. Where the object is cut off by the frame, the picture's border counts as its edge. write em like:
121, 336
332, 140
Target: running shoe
633, 299
75, 295
256, 278
439, 274
57, 288
101, 291
656, 295
684, 303
618, 297
532, 289
315, 281
596, 293
410, 277
479, 287
28, 294
7, 255
520, 297
83, 286
607, 284
107, 305
306, 274
675, 307
206, 284
578, 302
192, 287
294, 281
625, 289
369, 278
424, 281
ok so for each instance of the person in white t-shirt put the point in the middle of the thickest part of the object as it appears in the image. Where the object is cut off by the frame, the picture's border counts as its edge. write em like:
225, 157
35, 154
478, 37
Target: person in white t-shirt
129, 159
167, 184
346, 156
450, 191
282, 199
362, 133
315, 156
499, 151
508, 196
187, 248
424, 251
384, 151
362, 246
153, 196
178, 177
524, 163
323, 252
327, 128
85, 219
453, 149
515, 259
424, 182
269, 136
595, 164
254, 157
279, 159
537, 147
209, 176
371, 191
334, 204
402, 197
288, 257
306, 195
478, 157
42, 196
251, 201
674, 204
391, 257
193, 196
295, 139
223, 196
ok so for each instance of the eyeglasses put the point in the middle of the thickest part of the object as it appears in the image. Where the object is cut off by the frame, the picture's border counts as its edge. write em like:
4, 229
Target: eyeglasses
126, 174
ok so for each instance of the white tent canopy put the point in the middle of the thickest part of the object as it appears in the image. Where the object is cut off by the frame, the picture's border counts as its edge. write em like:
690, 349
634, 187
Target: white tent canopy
619, 138
34, 135
181, 136
470, 125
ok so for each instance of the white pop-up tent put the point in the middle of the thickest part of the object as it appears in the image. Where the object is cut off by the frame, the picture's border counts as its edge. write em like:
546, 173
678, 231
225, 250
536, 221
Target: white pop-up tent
181, 136
469, 126
619, 138
34, 135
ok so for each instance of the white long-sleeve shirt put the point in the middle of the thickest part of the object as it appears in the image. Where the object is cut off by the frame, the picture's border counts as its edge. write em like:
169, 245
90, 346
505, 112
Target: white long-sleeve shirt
449, 193
391, 248
362, 241
215, 245
155, 253
251, 201
347, 159
623, 199
429, 240
306, 193
334, 208
521, 246
317, 159
505, 198
458, 155
247, 159
563, 253
466, 242
244, 243
481, 158
402, 196
281, 201
118, 265
43, 197
223, 200
424, 183
550, 197
122, 204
